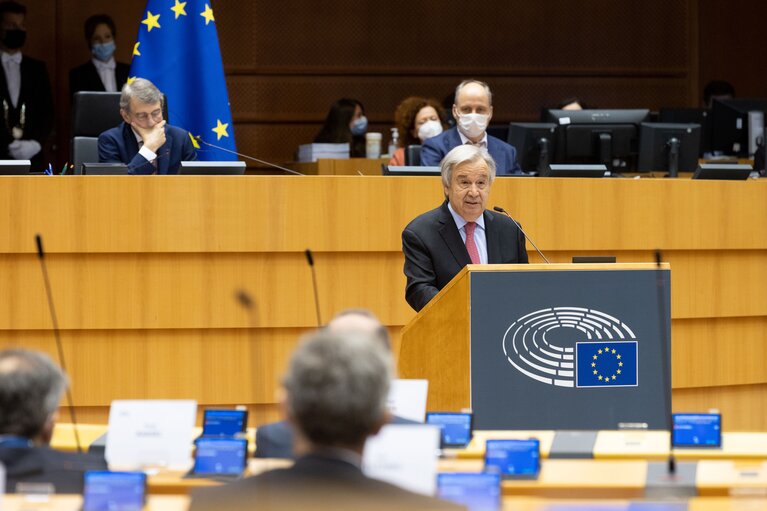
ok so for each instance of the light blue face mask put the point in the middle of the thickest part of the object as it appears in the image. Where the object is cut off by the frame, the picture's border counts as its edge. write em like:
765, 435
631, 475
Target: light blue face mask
360, 126
103, 51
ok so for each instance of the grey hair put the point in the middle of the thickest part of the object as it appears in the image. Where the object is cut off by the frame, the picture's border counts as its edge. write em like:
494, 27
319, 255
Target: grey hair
337, 385
31, 386
467, 82
143, 90
381, 332
465, 153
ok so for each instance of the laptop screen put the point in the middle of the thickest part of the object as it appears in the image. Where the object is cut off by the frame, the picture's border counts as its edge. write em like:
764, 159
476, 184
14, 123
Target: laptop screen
224, 422
225, 456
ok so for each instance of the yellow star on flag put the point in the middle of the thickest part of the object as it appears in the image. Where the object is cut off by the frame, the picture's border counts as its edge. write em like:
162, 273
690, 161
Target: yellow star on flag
130, 79
599, 351
593, 364
613, 351
194, 142
600, 377
596, 372
135, 50
613, 377
207, 14
618, 357
618, 371
151, 21
220, 129
179, 9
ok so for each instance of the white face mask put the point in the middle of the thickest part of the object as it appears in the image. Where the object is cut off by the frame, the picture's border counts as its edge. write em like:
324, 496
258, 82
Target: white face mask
472, 125
429, 129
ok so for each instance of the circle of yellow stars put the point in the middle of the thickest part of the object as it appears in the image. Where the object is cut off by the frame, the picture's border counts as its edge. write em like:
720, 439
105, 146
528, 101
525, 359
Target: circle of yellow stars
607, 351
152, 21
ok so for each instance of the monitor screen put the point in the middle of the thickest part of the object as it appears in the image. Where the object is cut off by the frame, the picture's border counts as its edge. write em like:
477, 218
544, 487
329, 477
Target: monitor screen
669, 147
409, 170
731, 129
701, 116
224, 422
220, 456
475, 491
534, 142
456, 427
513, 458
212, 168
697, 430
114, 491
609, 137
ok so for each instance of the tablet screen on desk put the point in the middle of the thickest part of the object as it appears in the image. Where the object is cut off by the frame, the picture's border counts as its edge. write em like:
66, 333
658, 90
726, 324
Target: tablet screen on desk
476, 491
224, 422
114, 491
456, 427
513, 458
220, 456
697, 430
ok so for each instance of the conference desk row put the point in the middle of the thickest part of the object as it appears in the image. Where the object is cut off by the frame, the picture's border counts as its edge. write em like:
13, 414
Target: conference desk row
144, 271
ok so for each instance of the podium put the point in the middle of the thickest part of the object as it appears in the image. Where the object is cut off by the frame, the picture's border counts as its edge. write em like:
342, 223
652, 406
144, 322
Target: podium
542, 347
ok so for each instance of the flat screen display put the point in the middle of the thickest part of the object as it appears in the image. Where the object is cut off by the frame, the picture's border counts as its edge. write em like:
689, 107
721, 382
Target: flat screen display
476, 491
513, 458
224, 422
697, 430
220, 456
114, 491
456, 427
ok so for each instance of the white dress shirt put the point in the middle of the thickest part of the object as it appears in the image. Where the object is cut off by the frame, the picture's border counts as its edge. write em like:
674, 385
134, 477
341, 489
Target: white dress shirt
12, 68
479, 232
106, 72
465, 140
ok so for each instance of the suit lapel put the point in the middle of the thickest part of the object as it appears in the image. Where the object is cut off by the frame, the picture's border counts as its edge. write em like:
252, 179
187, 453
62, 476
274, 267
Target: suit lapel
453, 139
492, 238
131, 145
452, 238
163, 155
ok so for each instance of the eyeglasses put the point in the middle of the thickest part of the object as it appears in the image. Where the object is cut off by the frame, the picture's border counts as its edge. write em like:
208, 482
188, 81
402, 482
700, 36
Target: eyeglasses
143, 116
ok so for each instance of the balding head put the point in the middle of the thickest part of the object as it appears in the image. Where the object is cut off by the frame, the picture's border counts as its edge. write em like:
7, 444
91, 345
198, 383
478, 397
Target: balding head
360, 321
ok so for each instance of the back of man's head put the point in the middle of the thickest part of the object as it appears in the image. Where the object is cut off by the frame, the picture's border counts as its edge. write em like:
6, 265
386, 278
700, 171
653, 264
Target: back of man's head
31, 386
337, 384
360, 320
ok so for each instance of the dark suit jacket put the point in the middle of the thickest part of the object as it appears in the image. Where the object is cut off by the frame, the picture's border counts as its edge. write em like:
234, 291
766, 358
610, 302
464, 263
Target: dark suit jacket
45, 465
119, 145
435, 253
435, 148
36, 94
275, 440
86, 77
314, 482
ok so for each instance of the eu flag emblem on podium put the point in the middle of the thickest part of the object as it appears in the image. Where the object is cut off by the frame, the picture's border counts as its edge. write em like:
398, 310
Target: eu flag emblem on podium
178, 51
606, 364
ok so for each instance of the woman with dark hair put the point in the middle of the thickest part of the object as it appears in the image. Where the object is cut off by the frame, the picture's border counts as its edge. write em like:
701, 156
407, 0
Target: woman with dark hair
416, 119
101, 73
345, 124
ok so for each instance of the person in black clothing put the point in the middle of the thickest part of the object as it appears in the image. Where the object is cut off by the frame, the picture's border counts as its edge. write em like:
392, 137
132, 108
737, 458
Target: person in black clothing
31, 386
345, 124
102, 72
26, 92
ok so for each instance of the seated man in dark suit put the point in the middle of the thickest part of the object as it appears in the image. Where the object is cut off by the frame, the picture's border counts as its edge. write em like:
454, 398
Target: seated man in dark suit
144, 141
336, 389
440, 242
31, 386
276, 440
472, 110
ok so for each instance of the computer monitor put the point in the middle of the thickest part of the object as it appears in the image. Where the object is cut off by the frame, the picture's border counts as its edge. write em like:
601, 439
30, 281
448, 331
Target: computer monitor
405, 170
609, 137
104, 169
669, 147
212, 168
732, 131
14, 167
534, 142
700, 116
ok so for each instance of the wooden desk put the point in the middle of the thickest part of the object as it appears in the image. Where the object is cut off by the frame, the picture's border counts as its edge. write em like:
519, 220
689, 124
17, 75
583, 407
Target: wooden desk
144, 269
75, 503
653, 445
350, 167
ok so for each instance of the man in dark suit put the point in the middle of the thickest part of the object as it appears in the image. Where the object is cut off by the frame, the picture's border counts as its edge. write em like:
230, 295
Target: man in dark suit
336, 389
144, 141
26, 92
31, 386
276, 440
472, 110
440, 242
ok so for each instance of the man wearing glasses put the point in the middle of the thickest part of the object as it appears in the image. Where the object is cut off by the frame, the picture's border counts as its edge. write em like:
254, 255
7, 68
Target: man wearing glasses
144, 141
440, 242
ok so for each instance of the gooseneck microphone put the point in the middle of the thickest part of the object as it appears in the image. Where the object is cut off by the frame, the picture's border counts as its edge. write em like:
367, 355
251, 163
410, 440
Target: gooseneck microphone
57, 336
199, 139
501, 210
665, 363
310, 260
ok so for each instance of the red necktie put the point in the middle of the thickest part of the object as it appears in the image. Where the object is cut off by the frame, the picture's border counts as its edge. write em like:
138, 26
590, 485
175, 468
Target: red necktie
470, 245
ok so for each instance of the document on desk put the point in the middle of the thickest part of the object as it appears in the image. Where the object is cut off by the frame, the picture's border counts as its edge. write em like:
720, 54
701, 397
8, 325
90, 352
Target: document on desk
404, 455
151, 433
407, 399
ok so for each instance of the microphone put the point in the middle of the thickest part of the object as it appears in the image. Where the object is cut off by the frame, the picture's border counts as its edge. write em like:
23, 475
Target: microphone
57, 336
199, 139
310, 260
662, 313
249, 304
501, 210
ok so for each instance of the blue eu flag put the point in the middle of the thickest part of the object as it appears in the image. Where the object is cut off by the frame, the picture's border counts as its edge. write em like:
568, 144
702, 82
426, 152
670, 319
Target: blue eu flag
177, 50
606, 364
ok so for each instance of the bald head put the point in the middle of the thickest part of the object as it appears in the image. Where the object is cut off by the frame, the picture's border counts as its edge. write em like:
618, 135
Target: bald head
359, 321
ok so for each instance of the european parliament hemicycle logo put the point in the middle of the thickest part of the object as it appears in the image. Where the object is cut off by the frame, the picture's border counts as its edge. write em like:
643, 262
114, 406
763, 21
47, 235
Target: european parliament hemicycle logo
573, 347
